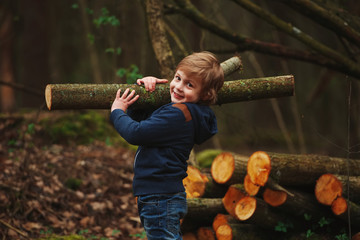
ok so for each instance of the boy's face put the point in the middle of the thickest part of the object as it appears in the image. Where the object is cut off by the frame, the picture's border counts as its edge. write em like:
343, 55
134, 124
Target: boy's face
185, 89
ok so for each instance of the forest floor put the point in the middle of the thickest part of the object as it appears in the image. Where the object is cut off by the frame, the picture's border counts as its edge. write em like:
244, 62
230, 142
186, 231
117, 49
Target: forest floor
49, 189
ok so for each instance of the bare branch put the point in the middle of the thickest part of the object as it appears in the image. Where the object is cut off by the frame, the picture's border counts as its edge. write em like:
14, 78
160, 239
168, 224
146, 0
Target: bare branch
326, 18
186, 8
300, 35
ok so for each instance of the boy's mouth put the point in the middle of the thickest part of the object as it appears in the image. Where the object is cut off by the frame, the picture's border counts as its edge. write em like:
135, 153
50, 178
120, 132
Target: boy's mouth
177, 96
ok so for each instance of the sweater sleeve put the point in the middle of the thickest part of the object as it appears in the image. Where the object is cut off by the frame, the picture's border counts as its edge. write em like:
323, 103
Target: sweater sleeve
160, 129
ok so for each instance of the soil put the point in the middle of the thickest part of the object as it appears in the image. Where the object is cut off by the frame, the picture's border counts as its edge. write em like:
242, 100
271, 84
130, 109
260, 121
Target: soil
49, 189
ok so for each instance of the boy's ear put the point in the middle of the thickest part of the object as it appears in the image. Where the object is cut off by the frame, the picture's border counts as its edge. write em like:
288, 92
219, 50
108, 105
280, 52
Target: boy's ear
206, 96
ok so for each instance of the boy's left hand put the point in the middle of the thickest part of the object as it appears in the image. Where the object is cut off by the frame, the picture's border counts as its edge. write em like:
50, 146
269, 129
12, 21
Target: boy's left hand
124, 101
150, 82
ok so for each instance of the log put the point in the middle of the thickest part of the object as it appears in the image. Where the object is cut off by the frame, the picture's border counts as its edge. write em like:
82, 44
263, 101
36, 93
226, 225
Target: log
232, 196
189, 236
245, 208
327, 189
308, 168
263, 215
195, 182
251, 188
229, 168
205, 233
101, 96
274, 198
258, 168
339, 206
351, 187
214, 189
227, 227
354, 211
300, 203
204, 207
201, 212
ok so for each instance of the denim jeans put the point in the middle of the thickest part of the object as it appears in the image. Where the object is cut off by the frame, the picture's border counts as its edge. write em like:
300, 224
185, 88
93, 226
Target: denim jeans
160, 215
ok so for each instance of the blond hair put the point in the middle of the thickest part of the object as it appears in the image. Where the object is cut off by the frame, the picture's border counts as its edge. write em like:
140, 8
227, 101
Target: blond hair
205, 67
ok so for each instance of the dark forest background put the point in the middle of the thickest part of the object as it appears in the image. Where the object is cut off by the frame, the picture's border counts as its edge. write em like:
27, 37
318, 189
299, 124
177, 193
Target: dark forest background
80, 41
67, 171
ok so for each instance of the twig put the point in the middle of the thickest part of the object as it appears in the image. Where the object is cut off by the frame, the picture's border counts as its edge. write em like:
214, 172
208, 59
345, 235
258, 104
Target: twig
14, 229
23, 88
299, 35
244, 43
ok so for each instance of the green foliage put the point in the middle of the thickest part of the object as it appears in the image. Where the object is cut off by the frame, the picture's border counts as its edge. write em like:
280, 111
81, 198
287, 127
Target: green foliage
307, 217
106, 19
131, 74
325, 221
283, 227
206, 157
82, 128
116, 51
343, 236
73, 183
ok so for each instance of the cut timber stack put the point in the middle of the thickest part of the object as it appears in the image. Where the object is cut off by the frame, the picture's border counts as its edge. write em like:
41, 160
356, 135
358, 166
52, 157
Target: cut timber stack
254, 195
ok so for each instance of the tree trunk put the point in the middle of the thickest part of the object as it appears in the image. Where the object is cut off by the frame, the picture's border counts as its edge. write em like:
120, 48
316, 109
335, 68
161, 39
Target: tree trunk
100, 96
6, 69
161, 46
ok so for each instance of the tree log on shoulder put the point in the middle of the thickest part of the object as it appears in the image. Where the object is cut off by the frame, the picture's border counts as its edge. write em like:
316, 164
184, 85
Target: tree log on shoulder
100, 96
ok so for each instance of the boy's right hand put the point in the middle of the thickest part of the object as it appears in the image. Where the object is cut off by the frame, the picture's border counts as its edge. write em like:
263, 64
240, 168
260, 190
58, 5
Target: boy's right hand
150, 82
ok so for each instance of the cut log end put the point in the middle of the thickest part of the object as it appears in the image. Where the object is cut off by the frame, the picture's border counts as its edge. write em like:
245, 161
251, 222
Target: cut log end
274, 198
245, 208
195, 183
232, 196
258, 168
251, 188
327, 189
224, 232
339, 206
48, 96
223, 167
205, 233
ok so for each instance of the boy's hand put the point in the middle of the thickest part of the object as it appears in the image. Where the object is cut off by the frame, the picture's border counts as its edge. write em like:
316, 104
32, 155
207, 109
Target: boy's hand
150, 82
124, 101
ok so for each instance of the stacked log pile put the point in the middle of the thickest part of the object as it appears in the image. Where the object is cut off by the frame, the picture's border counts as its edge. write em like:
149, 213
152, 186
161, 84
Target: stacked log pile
244, 197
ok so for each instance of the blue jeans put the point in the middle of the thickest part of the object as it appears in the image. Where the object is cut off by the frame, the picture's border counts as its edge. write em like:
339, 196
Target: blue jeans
160, 215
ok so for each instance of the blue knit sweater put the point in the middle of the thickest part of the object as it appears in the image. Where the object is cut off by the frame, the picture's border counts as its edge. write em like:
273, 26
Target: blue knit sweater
165, 140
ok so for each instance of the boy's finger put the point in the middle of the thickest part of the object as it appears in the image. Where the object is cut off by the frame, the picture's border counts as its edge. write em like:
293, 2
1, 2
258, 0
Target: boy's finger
162, 81
131, 94
125, 93
118, 93
134, 99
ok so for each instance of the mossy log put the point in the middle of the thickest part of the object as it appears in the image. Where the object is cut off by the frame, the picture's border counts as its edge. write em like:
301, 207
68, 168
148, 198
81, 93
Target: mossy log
101, 96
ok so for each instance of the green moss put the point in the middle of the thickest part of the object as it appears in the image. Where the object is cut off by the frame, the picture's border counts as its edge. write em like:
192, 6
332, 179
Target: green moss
82, 127
206, 157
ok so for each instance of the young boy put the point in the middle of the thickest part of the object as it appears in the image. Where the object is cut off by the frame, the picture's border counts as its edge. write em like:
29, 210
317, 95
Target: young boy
166, 138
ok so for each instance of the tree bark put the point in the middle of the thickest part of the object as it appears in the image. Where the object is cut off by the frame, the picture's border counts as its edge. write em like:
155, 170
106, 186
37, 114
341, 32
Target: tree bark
351, 187
161, 46
100, 96
308, 168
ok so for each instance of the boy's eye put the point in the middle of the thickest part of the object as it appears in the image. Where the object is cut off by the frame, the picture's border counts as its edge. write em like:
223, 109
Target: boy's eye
177, 78
189, 85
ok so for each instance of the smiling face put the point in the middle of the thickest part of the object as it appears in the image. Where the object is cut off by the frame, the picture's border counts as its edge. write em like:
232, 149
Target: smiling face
185, 89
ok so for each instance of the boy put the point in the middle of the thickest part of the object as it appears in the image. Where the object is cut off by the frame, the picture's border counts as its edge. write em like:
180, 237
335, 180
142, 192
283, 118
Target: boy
166, 138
